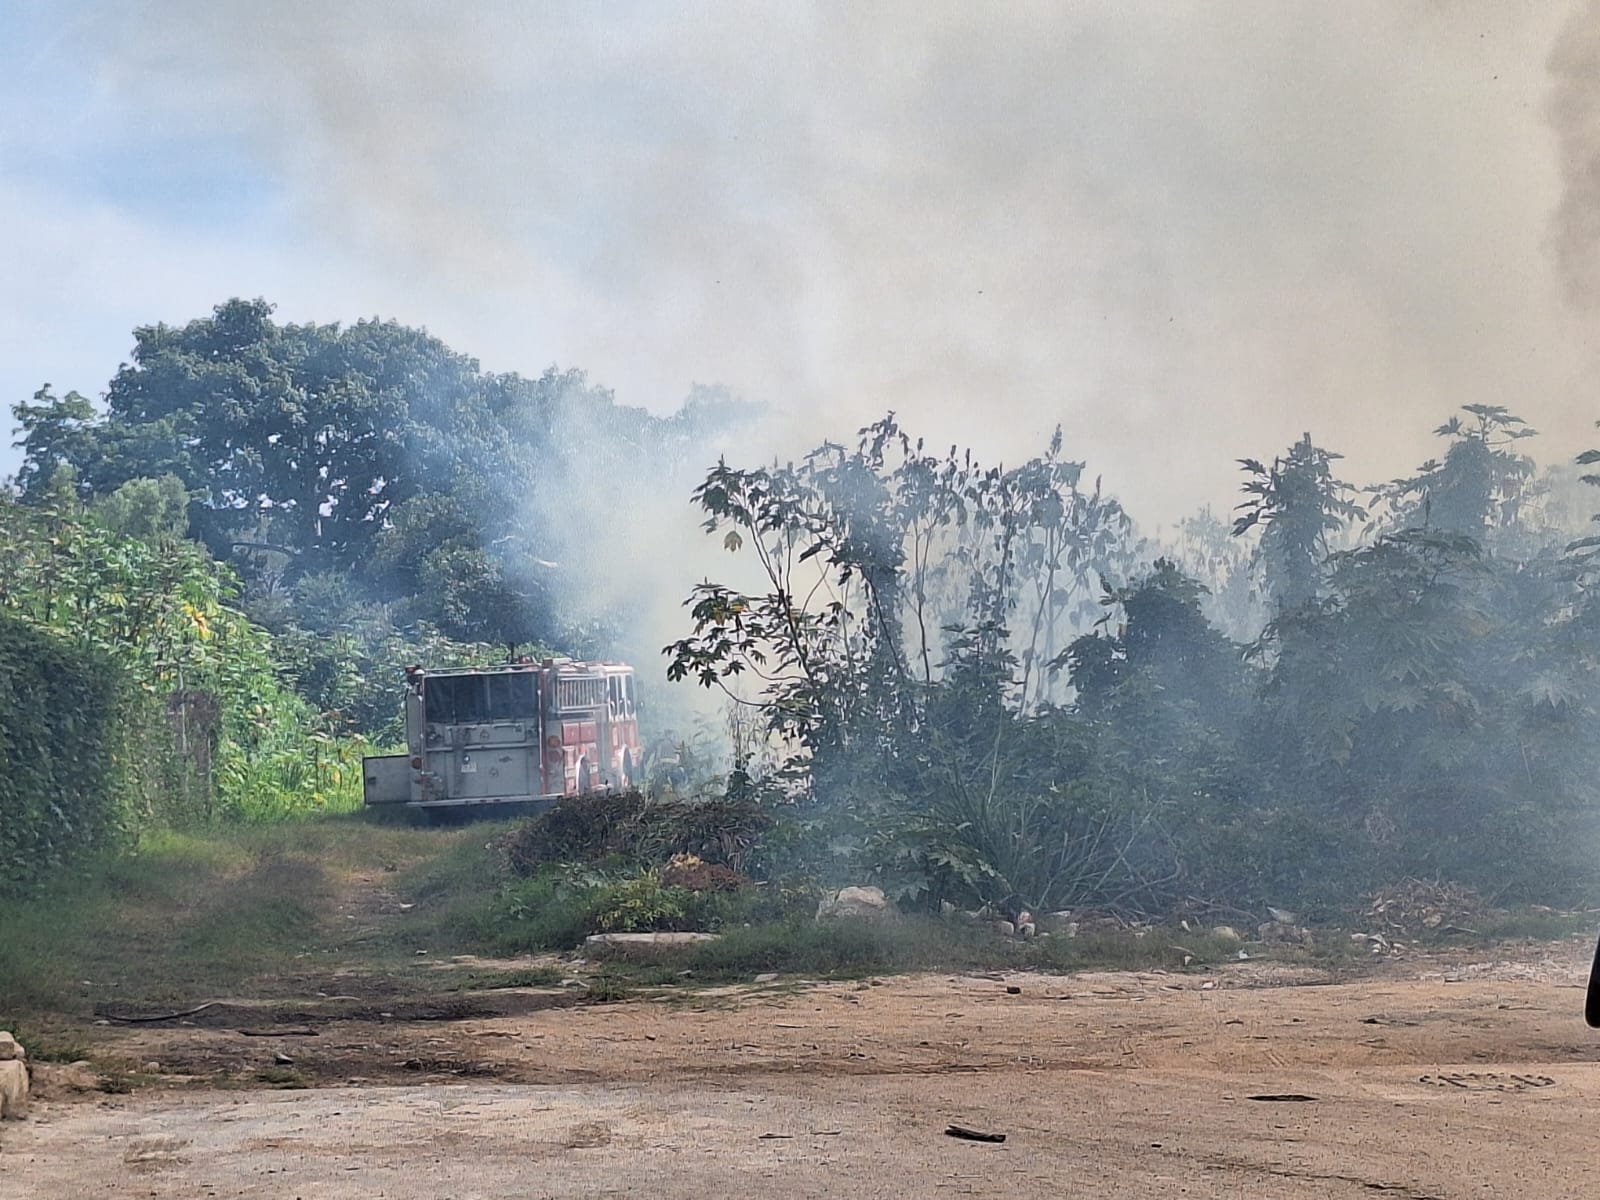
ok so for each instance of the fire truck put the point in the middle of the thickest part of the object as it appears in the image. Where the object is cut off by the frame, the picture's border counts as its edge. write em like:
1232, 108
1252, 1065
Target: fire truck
525, 733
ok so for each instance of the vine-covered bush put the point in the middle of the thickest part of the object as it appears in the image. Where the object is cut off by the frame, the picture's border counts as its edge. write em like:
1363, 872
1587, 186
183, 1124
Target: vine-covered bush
70, 722
220, 732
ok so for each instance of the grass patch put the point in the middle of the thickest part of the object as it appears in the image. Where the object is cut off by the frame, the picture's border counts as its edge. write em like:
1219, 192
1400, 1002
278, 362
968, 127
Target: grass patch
339, 904
521, 977
199, 915
849, 949
45, 1046
281, 1077
1533, 925
609, 989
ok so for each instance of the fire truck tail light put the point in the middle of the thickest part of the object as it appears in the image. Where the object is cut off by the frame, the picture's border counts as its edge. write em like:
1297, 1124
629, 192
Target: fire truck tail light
416, 764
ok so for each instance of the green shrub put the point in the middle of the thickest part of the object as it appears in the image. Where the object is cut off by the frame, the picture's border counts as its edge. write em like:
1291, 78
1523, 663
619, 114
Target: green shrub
72, 727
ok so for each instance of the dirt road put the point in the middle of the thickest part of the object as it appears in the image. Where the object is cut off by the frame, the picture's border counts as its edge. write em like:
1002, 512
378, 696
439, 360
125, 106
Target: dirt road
1438, 1079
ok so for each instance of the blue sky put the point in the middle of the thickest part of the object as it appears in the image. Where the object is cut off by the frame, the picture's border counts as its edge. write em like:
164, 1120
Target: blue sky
1186, 232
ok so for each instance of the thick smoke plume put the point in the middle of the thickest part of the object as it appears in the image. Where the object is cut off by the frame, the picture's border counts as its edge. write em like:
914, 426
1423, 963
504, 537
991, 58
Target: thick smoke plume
1574, 111
1156, 224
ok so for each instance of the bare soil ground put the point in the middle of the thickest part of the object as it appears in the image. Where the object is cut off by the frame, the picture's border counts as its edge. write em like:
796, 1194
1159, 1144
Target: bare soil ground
1459, 1075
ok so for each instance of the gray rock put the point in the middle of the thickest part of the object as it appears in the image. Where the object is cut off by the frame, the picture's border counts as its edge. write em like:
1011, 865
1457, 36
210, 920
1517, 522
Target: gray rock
13, 1089
867, 902
1226, 932
648, 939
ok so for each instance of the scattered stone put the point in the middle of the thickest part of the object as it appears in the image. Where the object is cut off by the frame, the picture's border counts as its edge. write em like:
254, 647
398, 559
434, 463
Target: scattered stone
858, 902
766, 977
1027, 929
1003, 928
1226, 932
1013, 990
152, 1068
282, 1059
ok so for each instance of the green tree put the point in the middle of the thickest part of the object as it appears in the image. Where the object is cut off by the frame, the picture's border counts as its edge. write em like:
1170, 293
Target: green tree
1439, 706
1297, 503
151, 510
898, 646
58, 432
471, 501
1477, 488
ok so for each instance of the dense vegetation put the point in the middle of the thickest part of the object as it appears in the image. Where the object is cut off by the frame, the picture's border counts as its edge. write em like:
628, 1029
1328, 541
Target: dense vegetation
367, 479
67, 720
977, 685
136, 694
1420, 699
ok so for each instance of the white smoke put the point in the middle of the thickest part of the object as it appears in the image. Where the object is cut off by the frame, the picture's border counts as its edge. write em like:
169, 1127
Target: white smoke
1574, 113
1184, 231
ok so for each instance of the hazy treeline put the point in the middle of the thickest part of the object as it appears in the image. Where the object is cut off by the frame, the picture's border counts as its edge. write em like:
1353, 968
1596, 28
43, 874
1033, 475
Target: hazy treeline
1418, 697
976, 683
381, 498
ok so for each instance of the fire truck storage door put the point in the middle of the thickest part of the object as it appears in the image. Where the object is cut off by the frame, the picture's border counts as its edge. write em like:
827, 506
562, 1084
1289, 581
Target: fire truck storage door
481, 772
386, 779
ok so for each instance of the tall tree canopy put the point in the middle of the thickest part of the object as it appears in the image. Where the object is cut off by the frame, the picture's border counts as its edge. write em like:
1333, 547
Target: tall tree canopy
372, 450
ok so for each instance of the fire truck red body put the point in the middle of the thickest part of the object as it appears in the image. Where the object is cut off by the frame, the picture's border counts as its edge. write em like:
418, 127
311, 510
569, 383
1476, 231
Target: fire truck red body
523, 733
